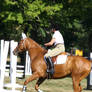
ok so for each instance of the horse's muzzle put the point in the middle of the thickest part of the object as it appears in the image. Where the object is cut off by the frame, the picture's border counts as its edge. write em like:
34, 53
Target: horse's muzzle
15, 52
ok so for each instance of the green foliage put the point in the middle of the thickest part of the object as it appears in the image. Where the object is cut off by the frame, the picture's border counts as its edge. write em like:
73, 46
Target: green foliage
51, 10
19, 18
36, 18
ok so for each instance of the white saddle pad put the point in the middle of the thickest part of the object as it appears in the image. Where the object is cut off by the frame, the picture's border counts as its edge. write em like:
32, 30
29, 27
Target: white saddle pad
61, 59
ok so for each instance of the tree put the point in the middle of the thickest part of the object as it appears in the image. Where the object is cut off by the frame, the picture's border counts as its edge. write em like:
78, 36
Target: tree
38, 16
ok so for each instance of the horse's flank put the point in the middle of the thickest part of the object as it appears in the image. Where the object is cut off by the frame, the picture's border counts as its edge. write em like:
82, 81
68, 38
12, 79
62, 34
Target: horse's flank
74, 66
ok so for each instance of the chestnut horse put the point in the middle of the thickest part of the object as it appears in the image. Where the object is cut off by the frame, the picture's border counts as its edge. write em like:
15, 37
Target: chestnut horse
76, 66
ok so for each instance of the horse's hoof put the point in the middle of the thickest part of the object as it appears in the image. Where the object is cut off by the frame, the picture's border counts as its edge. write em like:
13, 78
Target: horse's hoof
40, 90
24, 89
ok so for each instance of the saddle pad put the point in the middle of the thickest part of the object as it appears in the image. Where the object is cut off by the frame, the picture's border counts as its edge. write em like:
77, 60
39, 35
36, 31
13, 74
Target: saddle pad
61, 59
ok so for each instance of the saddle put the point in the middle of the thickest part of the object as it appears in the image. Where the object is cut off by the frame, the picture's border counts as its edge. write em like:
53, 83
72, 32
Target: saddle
50, 63
54, 59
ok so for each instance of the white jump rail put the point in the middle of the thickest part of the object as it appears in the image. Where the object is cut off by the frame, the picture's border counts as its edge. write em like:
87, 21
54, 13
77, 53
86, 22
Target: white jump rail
27, 66
4, 49
3, 58
13, 63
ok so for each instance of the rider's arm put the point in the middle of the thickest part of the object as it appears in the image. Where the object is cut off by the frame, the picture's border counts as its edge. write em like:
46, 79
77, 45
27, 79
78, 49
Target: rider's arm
50, 43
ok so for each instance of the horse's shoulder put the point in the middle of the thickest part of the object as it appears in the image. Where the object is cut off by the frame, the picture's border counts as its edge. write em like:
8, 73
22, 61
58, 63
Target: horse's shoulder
44, 52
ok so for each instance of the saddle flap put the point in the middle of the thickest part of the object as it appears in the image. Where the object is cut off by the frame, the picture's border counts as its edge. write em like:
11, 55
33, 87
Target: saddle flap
54, 59
60, 59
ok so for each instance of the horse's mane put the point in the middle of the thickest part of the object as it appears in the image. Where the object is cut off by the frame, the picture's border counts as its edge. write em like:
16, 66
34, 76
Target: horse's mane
38, 46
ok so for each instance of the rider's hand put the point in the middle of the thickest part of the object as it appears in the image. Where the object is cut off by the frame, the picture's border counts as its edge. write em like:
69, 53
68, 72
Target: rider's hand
46, 44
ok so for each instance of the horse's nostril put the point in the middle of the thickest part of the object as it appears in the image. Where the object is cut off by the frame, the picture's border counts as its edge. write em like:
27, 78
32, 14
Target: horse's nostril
15, 53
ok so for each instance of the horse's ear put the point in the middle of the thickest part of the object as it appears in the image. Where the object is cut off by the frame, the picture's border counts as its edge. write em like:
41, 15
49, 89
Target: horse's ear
24, 36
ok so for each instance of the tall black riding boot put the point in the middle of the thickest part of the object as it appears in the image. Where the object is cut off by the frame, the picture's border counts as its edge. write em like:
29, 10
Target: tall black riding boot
50, 65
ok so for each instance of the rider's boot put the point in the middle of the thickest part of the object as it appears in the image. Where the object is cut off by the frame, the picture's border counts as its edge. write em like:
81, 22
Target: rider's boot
50, 65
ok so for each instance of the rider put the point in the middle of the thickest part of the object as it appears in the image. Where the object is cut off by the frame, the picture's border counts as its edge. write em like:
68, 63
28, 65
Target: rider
58, 42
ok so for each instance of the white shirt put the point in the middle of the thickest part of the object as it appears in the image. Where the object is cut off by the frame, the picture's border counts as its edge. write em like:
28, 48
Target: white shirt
58, 36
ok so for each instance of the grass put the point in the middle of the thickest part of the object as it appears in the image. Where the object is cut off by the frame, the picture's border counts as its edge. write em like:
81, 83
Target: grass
58, 85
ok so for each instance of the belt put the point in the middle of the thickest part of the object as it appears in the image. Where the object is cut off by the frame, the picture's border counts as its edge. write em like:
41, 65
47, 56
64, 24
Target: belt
60, 43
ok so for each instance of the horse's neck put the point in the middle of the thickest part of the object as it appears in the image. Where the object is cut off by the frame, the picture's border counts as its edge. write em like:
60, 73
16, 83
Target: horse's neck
35, 50
33, 53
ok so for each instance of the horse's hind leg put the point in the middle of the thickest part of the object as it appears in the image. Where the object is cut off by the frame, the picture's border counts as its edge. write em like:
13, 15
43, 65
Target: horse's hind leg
80, 88
76, 83
41, 80
31, 78
82, 77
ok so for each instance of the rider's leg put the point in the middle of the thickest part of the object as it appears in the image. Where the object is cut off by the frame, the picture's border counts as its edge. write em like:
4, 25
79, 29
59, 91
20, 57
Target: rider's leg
57, 50
50, 65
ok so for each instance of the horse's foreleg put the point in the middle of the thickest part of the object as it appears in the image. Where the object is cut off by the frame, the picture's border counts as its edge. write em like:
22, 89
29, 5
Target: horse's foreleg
31, 78
41, 80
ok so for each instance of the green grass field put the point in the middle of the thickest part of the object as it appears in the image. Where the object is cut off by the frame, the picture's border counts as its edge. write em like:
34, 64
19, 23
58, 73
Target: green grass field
58, 85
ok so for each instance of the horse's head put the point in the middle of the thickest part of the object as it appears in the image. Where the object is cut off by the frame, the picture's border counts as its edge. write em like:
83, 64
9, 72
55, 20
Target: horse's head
20, 47
27, 44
